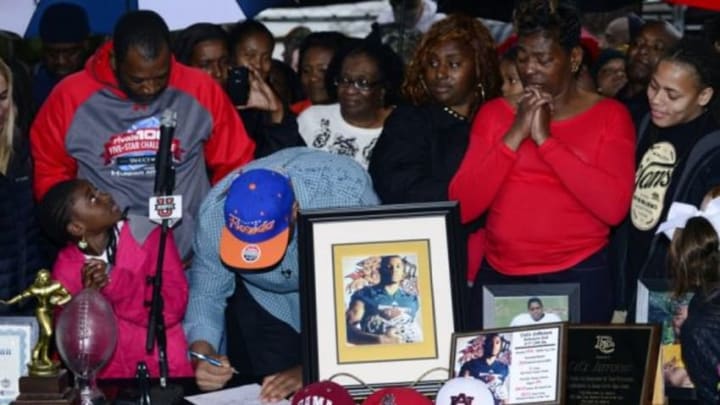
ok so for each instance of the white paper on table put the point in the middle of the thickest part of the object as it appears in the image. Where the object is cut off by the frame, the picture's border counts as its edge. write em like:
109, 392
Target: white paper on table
246, 395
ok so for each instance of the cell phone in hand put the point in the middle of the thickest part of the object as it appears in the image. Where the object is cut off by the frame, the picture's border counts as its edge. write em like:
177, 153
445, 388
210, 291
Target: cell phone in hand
238, 85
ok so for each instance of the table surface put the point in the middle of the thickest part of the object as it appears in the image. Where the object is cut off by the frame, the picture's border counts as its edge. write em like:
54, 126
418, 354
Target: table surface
120, 391
125, 391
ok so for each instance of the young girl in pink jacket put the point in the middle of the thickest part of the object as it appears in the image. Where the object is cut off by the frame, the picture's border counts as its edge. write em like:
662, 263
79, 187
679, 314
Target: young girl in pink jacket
102, 250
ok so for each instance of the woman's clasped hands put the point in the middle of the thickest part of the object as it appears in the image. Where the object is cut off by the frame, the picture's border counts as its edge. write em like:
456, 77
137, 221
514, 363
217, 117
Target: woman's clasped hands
532, 118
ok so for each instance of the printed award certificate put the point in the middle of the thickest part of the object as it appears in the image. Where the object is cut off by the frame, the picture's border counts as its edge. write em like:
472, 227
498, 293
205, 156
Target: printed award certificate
17, 337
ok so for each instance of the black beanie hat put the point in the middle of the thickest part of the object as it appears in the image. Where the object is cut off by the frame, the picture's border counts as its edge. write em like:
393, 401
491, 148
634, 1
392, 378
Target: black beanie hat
64, 23
635, 23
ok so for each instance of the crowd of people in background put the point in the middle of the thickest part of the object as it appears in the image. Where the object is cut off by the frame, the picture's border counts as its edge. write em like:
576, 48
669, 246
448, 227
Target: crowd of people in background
565, 150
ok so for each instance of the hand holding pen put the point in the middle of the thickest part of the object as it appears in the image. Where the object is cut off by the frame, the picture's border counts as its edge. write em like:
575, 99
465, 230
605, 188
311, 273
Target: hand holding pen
212, 373
215, 362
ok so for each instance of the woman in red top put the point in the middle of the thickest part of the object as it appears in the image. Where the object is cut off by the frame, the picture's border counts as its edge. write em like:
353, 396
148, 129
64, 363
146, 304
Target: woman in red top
553, 169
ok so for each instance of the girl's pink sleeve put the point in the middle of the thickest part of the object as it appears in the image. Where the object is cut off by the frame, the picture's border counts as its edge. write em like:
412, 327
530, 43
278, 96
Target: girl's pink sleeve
486, 163
126, 293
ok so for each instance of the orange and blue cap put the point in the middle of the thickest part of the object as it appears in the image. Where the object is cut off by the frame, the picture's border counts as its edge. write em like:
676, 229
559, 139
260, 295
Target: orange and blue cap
258, 212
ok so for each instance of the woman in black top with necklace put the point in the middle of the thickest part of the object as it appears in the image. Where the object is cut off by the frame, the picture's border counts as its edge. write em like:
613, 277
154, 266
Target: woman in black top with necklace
454, 70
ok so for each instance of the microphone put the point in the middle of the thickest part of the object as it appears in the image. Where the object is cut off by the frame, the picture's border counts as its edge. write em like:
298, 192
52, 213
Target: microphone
163, 157
163, 206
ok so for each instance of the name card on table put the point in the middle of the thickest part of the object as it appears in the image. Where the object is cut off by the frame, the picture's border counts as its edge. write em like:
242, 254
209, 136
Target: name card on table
18, 335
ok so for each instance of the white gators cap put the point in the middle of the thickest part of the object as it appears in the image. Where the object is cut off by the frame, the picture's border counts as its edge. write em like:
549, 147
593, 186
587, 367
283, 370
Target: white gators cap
464, 391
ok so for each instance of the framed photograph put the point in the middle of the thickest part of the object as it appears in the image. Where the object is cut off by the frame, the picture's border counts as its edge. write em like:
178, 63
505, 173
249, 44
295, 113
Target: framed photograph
656, 304
18, 335
530, 304
612, 364
377, 292
522, 365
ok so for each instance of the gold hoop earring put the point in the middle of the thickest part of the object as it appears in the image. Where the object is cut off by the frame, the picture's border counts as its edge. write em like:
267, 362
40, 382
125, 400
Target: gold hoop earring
482, 91
424, 86
82, 243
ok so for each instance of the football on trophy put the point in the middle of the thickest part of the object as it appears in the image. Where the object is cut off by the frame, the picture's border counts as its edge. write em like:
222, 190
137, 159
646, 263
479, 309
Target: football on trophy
86, 335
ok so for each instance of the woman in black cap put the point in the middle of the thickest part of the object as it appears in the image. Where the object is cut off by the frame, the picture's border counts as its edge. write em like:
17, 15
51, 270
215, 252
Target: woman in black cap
609, 72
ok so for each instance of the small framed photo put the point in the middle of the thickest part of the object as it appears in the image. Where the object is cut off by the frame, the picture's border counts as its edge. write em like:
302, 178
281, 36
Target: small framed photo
377, 293
18, 335
513, 305
523, 365
657, 304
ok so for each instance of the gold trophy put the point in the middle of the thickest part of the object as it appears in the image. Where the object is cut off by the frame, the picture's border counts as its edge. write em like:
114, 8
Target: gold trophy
47, 382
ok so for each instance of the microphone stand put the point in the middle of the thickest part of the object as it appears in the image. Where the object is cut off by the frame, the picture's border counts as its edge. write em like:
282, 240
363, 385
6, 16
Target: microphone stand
156, 323
164, 185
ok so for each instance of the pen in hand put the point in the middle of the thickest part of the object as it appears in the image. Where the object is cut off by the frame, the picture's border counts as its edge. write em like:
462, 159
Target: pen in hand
214, 362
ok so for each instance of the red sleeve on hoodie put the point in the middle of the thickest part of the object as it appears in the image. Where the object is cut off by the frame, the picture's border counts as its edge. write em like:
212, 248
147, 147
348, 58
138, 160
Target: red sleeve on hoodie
47, 142
229, 145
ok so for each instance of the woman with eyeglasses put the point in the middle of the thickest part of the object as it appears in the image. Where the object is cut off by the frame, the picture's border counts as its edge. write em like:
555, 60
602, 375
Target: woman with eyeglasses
552, 170
367, 87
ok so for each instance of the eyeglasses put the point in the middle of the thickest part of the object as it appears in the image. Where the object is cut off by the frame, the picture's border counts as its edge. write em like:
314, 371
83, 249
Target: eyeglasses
359, 84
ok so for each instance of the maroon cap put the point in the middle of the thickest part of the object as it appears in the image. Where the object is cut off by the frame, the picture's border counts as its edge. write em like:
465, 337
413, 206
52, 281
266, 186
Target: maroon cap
323, 392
